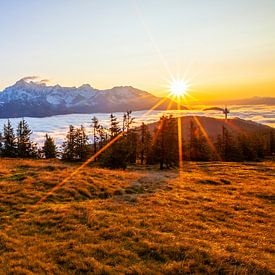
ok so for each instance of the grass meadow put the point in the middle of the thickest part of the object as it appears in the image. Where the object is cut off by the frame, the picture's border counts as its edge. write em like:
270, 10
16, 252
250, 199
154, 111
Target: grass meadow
213, 218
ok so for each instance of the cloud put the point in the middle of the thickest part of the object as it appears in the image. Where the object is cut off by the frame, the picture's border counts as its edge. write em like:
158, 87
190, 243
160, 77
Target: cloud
28, 78
44, 81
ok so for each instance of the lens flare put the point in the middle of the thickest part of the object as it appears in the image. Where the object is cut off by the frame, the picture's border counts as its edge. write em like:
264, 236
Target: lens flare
178, 87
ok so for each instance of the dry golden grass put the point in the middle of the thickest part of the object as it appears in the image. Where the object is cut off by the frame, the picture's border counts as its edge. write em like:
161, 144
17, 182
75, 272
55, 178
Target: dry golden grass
216, 218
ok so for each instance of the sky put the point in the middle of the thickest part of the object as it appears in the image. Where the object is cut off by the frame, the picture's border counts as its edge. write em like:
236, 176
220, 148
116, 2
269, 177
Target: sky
224, 49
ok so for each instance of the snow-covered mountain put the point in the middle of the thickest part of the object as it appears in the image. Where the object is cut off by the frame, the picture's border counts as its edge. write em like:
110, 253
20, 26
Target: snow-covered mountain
35, 99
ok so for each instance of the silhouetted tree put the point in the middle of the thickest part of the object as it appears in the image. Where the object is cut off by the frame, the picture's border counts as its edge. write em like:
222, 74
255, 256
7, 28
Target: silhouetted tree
271, 142
76, 147
199, 149
165, 143
103, 136
247, 147
114, 126
69, 145
49, 148
25, 148
230, 149
1, 145
81, 144
192, 142
127, 122
144, 143
95, 125
8, 141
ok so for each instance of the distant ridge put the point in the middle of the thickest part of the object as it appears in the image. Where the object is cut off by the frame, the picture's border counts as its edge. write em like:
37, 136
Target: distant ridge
35, 99
256, 100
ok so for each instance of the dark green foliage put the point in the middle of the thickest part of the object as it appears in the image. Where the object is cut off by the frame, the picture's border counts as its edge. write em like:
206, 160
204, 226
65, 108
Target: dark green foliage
272, 143
81, 144
144, 145
198, 147
69, 145
76, 147
247, 147
8, 141
1, 144
25, 148
230, 150
96, 127
123, 151
115, 156
127, 122
49, 148
165, 143
114, 126
132, 144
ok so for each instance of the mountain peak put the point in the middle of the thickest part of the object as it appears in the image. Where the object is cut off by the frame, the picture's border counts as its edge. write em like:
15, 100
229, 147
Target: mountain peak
28, 97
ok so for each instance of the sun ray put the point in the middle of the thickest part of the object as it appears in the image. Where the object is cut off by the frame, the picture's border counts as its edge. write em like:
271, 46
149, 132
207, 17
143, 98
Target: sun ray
208, 140
91, 159
180, 144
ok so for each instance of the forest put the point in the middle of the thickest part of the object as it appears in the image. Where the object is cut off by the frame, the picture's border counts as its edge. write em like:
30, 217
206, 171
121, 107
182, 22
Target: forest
122, 144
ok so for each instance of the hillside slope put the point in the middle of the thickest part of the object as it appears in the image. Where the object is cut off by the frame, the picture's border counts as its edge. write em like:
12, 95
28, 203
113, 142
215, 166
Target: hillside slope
216, 218
213, 126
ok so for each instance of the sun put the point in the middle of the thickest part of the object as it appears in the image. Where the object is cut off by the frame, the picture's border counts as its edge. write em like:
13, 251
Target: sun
178, 88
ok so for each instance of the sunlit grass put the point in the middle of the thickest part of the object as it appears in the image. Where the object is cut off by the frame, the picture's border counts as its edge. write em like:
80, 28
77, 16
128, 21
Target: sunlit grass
215, 218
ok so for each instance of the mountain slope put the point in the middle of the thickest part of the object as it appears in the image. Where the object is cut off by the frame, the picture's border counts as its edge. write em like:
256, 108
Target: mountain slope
34, 99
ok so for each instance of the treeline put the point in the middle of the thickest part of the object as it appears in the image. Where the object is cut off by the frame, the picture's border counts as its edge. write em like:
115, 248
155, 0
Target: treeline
121, 144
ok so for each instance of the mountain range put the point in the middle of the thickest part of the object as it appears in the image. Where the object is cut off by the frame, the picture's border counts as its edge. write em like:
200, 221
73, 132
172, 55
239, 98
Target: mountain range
35, 99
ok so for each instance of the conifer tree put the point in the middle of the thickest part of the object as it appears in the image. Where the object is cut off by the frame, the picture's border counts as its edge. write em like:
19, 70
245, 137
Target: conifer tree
145, 143
95, 126
132, 145
76, 147
81, 144
193, 142
103, 136
230, 148
8, 141
1, 145
23, 136
114, 126
165, 143
49, 148
69, 145
247, 148
271, 142
128, 120
117, 155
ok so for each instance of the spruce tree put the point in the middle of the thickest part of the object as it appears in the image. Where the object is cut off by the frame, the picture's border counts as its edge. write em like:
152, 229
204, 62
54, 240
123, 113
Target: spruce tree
230, 149
1, 145
95, 126
49, 148
81, 144
103, 136
69, 145
23, 136
165, 143
8, 141
144, 143
114, 126
193, 142
272, 142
